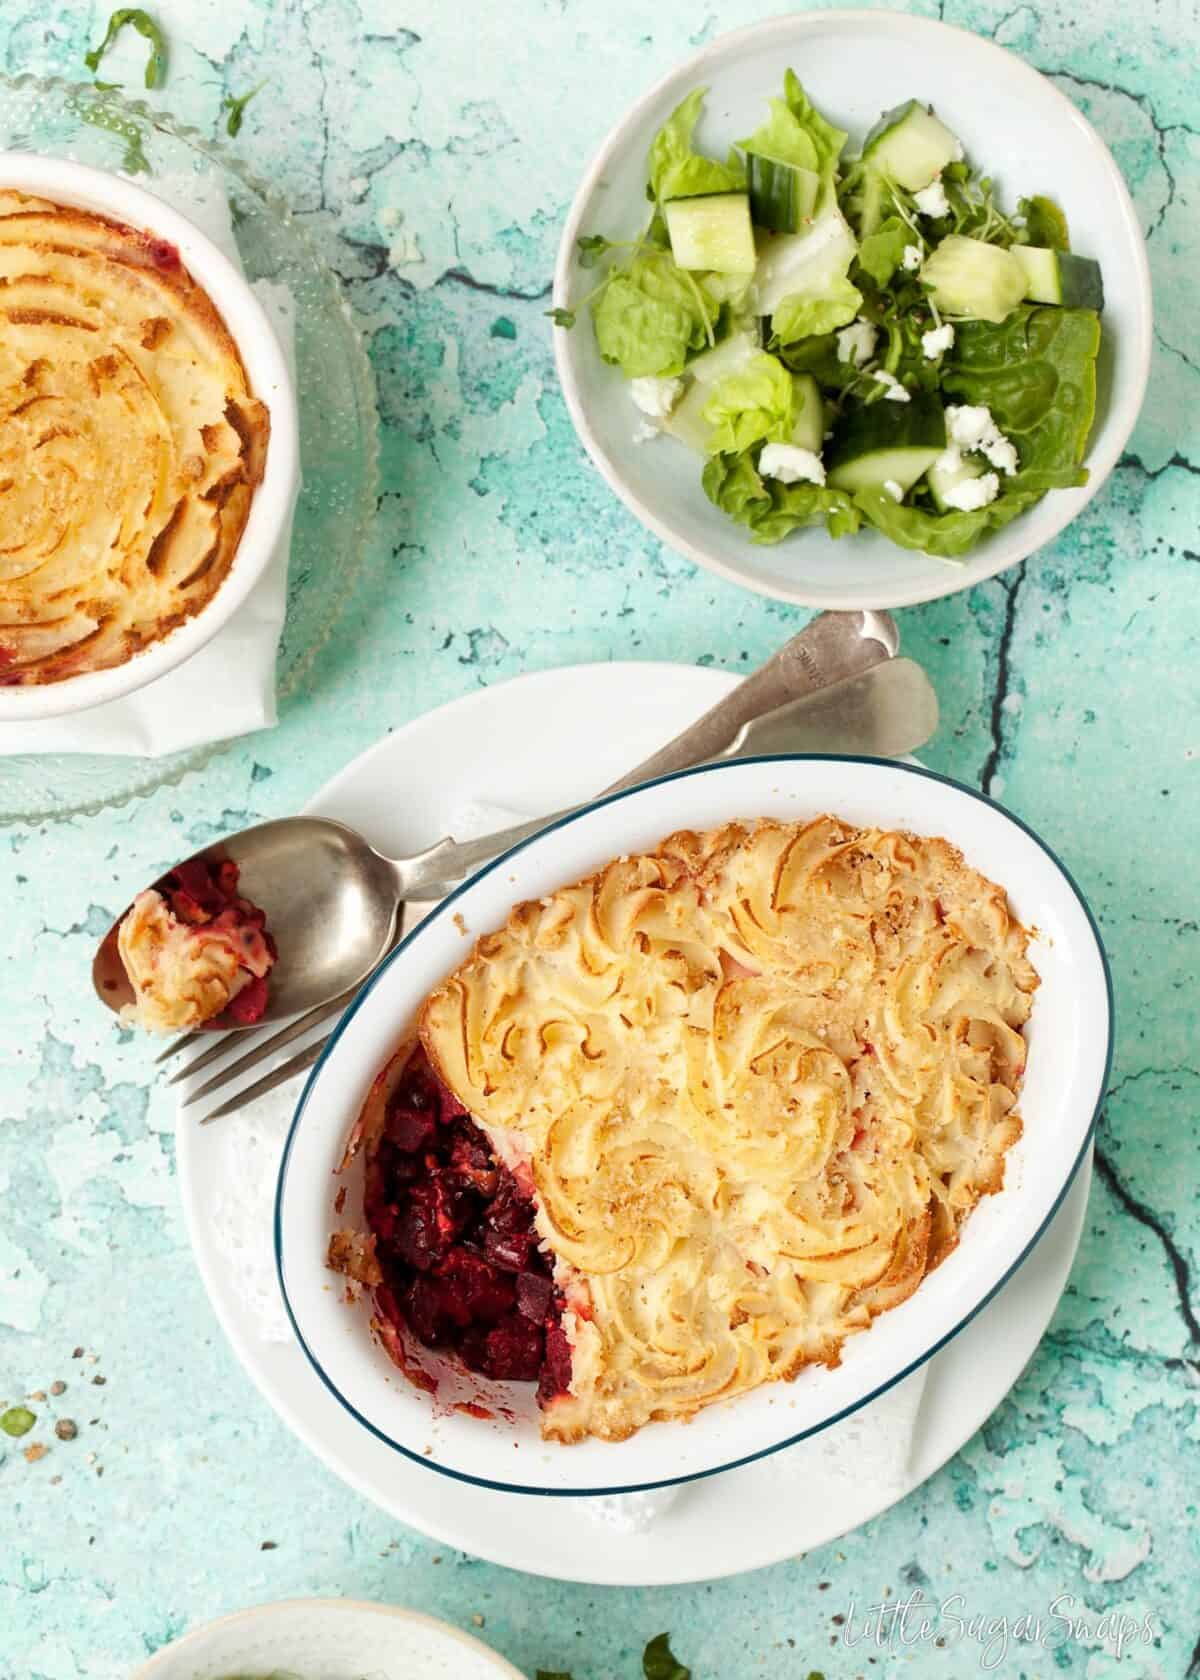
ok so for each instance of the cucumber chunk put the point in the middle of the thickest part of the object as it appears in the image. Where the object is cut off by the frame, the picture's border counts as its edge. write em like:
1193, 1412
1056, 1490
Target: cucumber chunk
782, 195
942, 480
1058, 277
872, 211
808, 432
896, 441
713, 232
804, 262
910, 146
973, 280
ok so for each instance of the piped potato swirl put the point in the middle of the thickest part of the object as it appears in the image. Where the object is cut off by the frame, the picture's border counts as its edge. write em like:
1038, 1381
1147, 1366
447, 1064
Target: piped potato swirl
130, 443
760, 1076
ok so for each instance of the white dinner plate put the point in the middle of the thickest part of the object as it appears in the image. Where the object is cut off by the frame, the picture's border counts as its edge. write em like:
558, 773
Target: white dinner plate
532, 745
327, 1639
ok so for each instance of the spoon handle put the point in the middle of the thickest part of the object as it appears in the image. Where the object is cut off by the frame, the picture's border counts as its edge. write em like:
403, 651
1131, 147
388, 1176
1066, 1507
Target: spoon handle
834, 646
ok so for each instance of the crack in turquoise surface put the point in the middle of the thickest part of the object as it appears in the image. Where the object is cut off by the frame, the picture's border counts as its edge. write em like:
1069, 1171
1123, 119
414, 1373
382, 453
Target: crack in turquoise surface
434, 165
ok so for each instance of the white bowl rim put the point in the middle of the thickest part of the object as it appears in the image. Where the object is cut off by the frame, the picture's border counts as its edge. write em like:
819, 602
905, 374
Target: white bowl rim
446, 906
1122, 421
162, 1658
270, 380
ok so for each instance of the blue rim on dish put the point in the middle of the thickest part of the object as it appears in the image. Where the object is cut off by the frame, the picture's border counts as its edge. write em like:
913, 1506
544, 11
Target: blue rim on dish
846, 1411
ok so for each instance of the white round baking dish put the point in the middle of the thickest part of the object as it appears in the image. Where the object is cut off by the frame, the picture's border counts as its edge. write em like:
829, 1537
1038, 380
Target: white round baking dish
1069, 1038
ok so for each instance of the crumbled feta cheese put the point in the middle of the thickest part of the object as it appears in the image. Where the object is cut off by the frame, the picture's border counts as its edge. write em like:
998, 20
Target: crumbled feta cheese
932, 200
967, 426
645, 431
790, 464
1002, 453
973, 493
936, 341
894, 490
972, 428
893, 391
656, 397
856, 343
911, 259
949, 460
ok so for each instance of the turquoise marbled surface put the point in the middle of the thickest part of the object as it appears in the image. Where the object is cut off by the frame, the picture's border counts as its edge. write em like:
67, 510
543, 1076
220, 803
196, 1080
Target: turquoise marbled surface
1068, 688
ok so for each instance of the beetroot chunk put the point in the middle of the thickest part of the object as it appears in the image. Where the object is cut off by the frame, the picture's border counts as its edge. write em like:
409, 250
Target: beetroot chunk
250, 1003
556, 1369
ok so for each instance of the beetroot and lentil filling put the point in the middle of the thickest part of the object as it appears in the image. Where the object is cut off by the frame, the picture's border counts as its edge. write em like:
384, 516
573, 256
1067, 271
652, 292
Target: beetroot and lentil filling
456, 1242
203, 892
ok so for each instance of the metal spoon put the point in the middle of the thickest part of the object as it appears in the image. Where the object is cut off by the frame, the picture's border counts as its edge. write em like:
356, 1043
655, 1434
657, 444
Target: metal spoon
331, 900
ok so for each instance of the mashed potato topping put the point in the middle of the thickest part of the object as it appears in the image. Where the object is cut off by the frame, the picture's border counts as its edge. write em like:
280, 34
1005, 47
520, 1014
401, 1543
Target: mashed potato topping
762, 1075
130, 443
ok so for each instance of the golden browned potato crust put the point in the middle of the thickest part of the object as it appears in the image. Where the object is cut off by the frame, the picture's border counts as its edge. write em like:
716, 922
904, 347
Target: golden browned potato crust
130, 442
760, 1077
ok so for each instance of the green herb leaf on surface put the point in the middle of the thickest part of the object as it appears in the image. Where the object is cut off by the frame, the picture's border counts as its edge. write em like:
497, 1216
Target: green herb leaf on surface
676, 171
755, 405
236, 105
17, 1421
806, 315
562, 317
552, 1674
659, 1663
135, 18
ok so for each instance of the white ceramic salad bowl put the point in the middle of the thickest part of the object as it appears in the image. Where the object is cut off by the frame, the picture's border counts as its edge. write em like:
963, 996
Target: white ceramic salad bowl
1016, 126
270, 380
1069, 1050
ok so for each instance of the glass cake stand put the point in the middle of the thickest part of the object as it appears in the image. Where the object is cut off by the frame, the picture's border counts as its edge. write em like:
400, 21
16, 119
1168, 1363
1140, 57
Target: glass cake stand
339, 422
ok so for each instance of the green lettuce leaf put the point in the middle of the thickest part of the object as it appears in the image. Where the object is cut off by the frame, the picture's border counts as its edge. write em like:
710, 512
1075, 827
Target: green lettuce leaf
827, 139
649, 315
784, 138
770, 510
756, 404
676, 171
1036, 371
881, 253
797, 133
805, 314
946, 535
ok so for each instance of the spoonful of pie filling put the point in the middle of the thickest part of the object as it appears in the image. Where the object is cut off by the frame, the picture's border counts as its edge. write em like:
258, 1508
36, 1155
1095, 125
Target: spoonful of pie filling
193, 950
